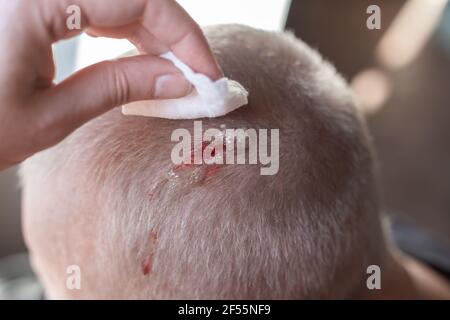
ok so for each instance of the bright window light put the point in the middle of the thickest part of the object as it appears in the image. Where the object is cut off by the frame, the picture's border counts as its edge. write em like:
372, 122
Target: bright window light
264, 14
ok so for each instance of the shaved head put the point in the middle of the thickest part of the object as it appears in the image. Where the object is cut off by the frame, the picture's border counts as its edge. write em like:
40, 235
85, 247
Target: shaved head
104, 199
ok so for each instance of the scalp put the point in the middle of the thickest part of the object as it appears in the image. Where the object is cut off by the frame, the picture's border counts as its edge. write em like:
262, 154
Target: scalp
100, 203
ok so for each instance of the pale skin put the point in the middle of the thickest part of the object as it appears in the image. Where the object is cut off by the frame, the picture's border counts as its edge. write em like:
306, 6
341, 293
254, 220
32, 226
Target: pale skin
36, 114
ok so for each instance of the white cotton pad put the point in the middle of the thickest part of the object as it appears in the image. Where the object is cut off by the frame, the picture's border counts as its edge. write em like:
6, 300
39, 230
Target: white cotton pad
210, 99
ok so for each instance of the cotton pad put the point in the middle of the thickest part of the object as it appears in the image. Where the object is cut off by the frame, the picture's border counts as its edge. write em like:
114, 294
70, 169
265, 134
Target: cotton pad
210, 99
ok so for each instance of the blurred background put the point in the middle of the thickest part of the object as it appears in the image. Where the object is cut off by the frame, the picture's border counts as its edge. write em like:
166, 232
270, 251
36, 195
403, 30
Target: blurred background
400, 74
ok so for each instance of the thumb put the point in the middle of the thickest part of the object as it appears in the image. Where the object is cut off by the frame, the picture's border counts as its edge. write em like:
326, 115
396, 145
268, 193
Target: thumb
105, 85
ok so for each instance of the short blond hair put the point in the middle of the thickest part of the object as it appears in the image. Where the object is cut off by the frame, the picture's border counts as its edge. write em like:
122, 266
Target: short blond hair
309, 231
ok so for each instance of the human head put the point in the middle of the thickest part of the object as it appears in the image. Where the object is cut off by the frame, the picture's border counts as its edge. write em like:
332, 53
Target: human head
96, 200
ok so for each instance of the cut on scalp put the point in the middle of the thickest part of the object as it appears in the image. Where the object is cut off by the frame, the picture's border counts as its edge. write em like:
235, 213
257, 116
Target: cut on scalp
310, 231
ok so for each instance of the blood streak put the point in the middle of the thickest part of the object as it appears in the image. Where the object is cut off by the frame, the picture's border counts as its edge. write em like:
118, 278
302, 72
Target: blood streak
212, 171
198, 173
204, 145
192, 157
147, 265
183, 166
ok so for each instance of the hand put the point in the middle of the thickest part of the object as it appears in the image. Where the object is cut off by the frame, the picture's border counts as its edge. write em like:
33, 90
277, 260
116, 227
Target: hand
36, 114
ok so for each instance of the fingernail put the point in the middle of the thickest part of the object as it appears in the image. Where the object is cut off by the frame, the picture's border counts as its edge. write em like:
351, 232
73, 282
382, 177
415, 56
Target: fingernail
170, 86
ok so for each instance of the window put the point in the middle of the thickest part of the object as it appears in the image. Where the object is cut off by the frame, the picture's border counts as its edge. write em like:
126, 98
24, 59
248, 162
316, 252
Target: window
265, 14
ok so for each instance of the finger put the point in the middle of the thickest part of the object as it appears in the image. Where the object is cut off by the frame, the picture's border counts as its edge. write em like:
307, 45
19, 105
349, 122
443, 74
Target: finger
96, 89
165, 19
171, 25
136, 33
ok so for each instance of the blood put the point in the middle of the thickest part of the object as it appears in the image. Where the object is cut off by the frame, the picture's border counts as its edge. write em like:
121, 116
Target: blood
213, 152
212, 170
191, 164
183, 166
204, 145
147, 265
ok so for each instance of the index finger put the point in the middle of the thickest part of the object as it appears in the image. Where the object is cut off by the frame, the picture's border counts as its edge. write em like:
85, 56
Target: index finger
166, 20
173, 26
